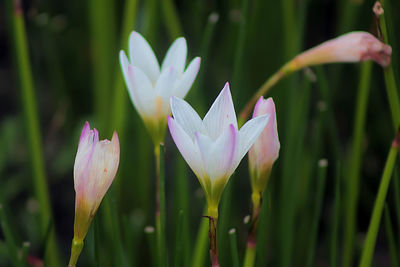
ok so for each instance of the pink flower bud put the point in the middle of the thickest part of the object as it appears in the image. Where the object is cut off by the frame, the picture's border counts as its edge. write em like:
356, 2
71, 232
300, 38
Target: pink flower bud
350, 47
96, 164
265, 150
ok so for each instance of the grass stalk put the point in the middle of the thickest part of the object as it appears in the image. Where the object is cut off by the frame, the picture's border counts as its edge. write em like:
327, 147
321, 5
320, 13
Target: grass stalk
390, 237
369, 245
353, 179
390, 81
151, 240
171, 19
200, 247
12, 247
32, 125
182, 205
237, 91
234, 249
178, 241
102, 34
319, 197
160, 204
335, 223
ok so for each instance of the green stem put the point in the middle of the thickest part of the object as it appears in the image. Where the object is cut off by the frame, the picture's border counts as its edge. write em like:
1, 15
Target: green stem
171, 19
240, 45
76, 249
160, 204
149, 231
319, 197
369, 245
335, 223
355, 164
12, 248
102, 31
390, 236
250, 254
391, 88
212, 234
200, 247
20, 42
178, 241
234, 249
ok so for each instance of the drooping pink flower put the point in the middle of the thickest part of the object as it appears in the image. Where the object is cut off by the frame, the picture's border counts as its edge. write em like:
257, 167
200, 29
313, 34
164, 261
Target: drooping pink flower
350, 47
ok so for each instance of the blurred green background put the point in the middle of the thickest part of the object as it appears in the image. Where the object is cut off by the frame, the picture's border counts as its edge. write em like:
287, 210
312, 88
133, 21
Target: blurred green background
73, 51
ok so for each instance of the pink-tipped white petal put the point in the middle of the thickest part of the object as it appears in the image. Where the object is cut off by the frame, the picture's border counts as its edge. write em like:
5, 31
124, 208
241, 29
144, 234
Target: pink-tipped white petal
186, 116
176, 56
185, 83
142, 56
221, 114
141, 92
249, 133
186, 146
222, 155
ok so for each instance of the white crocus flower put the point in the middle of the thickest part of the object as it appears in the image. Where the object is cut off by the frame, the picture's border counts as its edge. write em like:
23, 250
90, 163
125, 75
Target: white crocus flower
213, 147
150, 86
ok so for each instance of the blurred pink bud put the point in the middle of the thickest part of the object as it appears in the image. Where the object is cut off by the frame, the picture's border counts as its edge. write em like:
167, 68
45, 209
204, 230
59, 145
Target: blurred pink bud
265, 150
350, 47
96, 164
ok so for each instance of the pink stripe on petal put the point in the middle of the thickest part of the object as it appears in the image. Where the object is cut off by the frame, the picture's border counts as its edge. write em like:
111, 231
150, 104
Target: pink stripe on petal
85, 132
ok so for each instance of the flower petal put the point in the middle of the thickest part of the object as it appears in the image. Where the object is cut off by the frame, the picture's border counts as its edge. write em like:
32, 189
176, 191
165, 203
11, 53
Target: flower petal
142, 56
84, 157
186, 146
185, 83
165, 83
141, 92
102, 170
248, 134
221, 114
266, 148
218, 156
186, 116
176, 56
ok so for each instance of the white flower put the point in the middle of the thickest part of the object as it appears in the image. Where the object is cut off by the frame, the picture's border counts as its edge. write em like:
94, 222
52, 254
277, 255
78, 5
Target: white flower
150, 86
213, 147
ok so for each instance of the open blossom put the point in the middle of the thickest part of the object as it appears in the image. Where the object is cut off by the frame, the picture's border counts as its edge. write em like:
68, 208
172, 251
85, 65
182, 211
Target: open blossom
350, 47
214, 146
96, 164
265, 150
150, 86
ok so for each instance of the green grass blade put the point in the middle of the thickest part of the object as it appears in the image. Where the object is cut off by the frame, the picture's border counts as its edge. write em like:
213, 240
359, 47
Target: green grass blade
12, 248
369, 245
234, 249
319, 197
353, 179
390, 237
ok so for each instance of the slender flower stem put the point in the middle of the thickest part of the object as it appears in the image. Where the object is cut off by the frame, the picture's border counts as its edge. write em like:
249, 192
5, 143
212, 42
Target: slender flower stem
250, 255
390, 81
369, 245
160, 204
212, 234
390, 237
76, 249
267, 85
